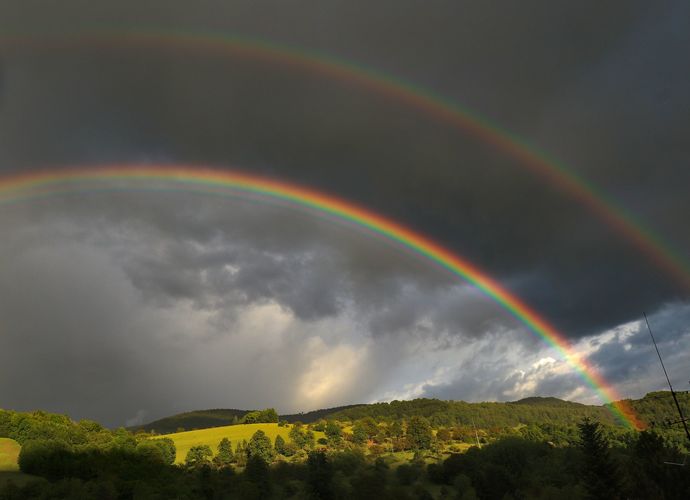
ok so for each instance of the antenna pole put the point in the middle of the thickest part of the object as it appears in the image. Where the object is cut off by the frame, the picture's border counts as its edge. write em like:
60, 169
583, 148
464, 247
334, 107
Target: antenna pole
476, 435
673, 393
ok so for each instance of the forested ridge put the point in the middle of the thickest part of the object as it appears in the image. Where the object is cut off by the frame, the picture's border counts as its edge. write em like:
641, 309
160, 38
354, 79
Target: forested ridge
654, 408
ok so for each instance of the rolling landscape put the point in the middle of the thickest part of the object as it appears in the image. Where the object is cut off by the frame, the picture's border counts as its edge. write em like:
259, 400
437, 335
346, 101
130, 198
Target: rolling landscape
403, 449
344, 250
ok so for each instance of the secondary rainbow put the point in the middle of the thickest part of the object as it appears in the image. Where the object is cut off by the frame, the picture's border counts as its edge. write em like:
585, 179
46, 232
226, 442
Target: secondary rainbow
622, 221
50, 183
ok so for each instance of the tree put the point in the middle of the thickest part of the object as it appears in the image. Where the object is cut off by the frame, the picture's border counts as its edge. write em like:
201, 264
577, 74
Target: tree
309, 439
198, 455
301, 438
319, 475
225, 456
279, 445
260, 446
359, 433
168, 449
395, 429
443, 435
269, 415
602, 477
371, 427
333, 432
251, 418
150, 451
258, 473
419, 433
47, 458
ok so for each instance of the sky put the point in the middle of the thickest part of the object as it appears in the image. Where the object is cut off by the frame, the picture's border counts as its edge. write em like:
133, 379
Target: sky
128, 306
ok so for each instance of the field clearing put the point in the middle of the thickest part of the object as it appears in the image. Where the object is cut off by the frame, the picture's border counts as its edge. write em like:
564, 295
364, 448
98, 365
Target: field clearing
235, 433
9, 452
9, 469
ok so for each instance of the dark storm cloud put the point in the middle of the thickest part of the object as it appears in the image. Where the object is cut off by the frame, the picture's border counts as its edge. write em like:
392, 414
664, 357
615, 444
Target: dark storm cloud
600, 87
586, 87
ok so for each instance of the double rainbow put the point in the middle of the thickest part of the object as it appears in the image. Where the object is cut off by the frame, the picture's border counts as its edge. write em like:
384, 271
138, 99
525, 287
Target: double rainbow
51, 183
621, 220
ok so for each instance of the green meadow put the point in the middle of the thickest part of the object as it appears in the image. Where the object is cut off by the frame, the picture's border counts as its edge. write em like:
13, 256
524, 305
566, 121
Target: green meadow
235, 433
9, 451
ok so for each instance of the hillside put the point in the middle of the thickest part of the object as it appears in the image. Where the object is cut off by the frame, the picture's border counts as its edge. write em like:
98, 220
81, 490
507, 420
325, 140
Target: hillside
653, 409
657, 409
206, 419
484, 415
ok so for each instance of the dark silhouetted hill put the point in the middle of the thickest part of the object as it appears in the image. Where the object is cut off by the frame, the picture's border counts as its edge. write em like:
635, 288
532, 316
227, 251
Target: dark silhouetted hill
204, 419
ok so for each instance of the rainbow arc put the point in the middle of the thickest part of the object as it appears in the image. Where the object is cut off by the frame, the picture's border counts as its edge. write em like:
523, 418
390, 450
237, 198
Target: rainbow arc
231, 183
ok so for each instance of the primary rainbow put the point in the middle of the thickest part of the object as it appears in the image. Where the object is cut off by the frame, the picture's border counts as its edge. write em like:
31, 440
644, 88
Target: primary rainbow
625, 223
50, 183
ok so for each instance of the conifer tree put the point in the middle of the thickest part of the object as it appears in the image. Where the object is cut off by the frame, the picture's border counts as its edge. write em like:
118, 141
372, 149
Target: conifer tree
601, 475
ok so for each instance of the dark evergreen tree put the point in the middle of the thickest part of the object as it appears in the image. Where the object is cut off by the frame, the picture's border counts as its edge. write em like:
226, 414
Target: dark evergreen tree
258, 473
600, 472
320, 475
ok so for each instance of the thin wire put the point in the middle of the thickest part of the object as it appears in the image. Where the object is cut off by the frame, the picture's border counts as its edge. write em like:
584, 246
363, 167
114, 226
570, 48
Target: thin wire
657, 351
675, 399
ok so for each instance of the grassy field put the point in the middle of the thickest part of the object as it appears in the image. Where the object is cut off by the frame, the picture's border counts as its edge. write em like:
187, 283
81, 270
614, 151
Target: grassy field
9, 451
235, 433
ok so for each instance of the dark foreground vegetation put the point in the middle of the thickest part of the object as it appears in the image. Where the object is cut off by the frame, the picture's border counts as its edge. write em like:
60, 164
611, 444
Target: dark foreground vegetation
379, 455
